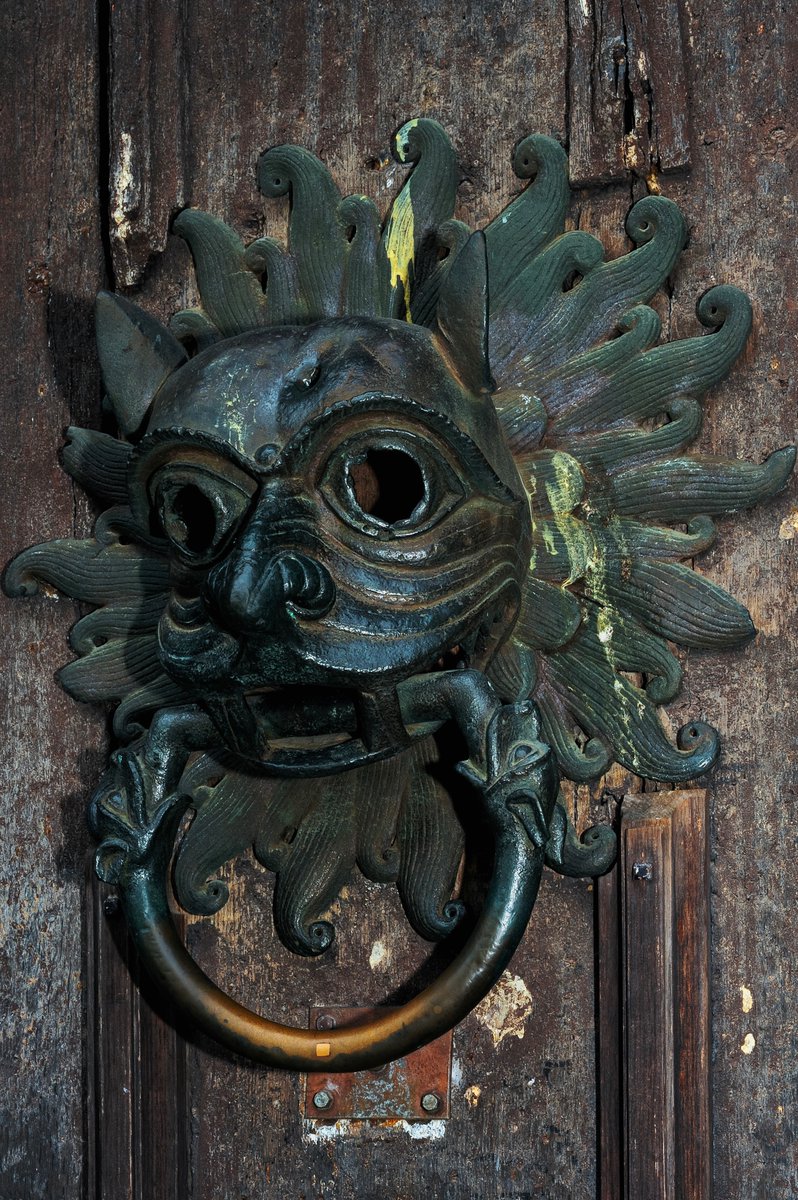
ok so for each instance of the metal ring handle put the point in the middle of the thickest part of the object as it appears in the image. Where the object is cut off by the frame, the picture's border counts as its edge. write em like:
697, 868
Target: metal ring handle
501, 924
518, 782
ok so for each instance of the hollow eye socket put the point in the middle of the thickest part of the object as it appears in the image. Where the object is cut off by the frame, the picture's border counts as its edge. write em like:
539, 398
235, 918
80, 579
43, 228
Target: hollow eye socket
196, 511
390, 484
387, 484
188, 518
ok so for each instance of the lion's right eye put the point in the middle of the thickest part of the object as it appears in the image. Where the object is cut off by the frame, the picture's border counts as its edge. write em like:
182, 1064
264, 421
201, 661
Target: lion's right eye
188, 518
197, 511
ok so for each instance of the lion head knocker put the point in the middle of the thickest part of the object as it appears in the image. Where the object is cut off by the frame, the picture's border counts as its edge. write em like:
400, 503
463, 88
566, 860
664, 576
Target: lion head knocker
387, 480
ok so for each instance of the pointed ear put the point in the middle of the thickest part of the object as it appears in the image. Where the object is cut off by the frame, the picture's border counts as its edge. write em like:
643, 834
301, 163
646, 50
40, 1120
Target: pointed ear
463, 314
136, 354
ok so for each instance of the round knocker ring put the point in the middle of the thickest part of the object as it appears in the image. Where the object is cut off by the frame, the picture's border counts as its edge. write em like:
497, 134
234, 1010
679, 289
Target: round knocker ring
515, 776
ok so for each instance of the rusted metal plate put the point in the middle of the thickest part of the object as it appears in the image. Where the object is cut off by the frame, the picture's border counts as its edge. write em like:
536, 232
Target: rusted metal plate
415, 1088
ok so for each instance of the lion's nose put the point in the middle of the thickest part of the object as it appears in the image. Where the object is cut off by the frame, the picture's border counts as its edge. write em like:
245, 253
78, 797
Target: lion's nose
253, 593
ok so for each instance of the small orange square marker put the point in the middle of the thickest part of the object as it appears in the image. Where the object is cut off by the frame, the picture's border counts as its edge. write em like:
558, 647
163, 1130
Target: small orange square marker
322, 1049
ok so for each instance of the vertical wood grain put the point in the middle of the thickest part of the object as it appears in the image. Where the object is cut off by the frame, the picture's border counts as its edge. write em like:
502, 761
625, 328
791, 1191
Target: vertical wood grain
741, 201
664, 882
647, 877
627, 90
50, 269
201, 92
609, 1055
136, 1080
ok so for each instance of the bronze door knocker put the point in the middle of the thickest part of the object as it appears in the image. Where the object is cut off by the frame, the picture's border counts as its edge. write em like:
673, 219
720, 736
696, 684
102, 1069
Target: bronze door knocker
384, 483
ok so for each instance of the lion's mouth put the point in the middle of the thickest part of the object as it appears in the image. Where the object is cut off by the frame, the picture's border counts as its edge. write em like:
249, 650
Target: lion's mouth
310, 730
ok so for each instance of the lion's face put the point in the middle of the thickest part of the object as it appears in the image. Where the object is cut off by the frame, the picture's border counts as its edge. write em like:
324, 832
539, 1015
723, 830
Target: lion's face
340, 514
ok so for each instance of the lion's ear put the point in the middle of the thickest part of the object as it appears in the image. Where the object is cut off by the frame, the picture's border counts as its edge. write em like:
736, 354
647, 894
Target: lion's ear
463, 314
136, 353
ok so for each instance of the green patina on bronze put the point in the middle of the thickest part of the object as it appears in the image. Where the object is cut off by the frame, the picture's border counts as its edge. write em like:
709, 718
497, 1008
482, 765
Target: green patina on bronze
385, 479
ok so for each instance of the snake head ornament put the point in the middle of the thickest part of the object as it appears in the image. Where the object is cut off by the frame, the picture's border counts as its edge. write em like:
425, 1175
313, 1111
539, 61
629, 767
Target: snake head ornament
391, 480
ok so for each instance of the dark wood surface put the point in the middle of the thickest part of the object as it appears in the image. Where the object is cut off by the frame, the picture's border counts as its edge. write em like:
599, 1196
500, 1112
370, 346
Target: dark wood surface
664, 981
628, 90
116, 117
50, 265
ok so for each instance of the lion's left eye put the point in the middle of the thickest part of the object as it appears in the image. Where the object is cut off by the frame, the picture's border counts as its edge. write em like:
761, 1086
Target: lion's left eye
390, 484
197, 511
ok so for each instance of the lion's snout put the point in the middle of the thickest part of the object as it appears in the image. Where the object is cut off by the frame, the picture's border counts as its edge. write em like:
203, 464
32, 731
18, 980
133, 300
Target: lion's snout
252, 593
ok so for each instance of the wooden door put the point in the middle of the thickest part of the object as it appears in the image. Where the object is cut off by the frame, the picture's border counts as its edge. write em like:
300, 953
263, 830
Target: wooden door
115, 117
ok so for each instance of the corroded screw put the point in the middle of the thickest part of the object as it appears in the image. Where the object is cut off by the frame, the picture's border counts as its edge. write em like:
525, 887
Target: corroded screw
325, 1021
430, 1102
642, 870
322, 1100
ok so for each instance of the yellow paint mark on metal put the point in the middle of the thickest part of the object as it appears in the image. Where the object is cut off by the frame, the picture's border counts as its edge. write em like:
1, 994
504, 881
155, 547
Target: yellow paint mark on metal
472, 1095
565, 490
505, 1010
604, 627
400, 238
549, 540
322, 1049
399, 245
578, 545
403, 132
563, 493
746, 999
749, 1042
789, 526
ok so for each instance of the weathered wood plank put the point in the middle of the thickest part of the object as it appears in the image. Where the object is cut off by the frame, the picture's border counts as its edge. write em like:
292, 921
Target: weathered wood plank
138, 1123
145, 109
50, 266
646, 875
665, 913
111, 1097
654, 991
628, 108
163, 1116
609, 1058
338, 78
692, 977
741, 203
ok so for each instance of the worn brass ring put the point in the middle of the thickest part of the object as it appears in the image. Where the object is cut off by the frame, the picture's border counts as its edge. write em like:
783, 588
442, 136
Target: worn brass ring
499, 928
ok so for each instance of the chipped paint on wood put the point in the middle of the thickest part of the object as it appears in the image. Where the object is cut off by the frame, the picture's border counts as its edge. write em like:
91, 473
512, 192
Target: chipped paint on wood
380, 957
789, 526
318, 1132
125, 195
505, 1011
746, 999
749, 1044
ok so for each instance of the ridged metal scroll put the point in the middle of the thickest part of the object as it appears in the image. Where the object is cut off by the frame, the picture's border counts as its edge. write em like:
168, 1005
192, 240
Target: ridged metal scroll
385, 483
